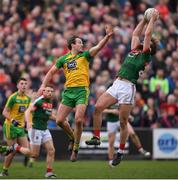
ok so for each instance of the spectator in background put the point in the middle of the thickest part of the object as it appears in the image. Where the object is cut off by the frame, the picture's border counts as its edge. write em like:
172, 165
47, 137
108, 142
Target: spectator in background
163, 9
150, 114
172, 78
136, 113
169, 119
159, 83
169, 104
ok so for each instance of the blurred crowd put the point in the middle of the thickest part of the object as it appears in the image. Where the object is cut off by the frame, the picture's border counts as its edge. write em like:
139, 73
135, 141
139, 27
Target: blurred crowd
33, 35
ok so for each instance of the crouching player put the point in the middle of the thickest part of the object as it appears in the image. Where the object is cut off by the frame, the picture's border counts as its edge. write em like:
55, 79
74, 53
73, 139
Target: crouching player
38, 133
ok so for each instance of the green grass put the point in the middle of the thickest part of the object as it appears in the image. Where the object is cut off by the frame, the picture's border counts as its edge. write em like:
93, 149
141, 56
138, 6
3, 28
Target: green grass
99, 170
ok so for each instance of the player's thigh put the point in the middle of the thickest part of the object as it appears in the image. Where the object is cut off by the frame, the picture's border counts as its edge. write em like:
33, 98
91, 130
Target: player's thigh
10, 131
10, 142
81, 96
80, 111
104, 101
35, 136
62, 112
124, 111
23, 141
130, 129
46, 136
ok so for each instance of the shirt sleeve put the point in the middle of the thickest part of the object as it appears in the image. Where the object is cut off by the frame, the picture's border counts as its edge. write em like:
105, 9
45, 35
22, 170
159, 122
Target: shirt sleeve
87, 55
59, 63
10, 102
37, 103
29, 101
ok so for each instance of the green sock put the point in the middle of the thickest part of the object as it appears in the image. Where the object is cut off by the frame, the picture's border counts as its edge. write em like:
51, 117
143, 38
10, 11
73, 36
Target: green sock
3, 149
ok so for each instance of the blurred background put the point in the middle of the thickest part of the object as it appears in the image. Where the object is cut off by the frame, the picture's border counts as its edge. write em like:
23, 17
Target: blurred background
33, 35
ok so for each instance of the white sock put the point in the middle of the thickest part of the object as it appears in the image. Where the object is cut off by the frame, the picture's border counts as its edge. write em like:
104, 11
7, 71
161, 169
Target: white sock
120, 151
141, 150
15, 146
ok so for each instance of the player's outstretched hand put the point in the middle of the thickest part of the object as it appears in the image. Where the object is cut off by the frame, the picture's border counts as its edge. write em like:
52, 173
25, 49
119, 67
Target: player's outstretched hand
109, 30
155, 15
40, 90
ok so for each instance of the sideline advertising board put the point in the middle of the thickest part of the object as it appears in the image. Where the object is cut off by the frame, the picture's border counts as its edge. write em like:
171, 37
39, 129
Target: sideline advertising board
165, 143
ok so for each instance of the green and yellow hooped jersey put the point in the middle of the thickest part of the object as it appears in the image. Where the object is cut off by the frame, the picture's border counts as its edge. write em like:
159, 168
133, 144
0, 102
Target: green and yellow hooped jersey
76, 68
17, 105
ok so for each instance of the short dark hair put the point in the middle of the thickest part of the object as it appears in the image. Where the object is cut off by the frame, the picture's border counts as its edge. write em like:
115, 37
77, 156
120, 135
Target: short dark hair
71, 41
50, 85
21, 79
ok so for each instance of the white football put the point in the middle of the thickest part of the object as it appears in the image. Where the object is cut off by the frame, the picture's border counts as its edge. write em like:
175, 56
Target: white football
148, 13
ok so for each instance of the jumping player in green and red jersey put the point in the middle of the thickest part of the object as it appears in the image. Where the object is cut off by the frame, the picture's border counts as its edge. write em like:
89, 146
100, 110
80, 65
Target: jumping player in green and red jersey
76, 69
123, 89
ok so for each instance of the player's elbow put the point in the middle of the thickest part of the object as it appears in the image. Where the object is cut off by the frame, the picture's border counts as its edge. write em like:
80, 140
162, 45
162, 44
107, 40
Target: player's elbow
27, 113
135, 34
4, 112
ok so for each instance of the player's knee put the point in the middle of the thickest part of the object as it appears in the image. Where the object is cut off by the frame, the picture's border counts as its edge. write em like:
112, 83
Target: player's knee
51, 151
123, 124
59, 123
28, 152
78, 121
98, 108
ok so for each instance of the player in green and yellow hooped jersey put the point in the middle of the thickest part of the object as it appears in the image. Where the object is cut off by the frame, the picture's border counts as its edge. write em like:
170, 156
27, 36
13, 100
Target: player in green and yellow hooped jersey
13, 127
42, 111
123, 89
76, 69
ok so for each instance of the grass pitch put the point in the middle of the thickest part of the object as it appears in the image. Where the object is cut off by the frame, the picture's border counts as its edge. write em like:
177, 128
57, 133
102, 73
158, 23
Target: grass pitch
98, 170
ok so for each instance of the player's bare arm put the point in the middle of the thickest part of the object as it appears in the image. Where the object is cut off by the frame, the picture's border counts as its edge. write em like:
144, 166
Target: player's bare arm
137, 32
109, 32
28, 119
6, 113
53, 115
149, 30
47, 78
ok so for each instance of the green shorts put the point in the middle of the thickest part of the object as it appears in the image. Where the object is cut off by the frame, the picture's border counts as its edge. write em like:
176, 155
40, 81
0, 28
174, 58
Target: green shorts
73, 96
12, 132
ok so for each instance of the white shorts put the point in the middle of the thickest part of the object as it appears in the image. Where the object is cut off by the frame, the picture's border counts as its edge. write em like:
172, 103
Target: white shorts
38, 137
123, 91
113, 127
